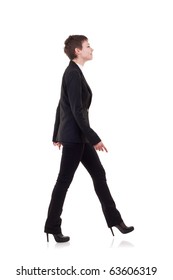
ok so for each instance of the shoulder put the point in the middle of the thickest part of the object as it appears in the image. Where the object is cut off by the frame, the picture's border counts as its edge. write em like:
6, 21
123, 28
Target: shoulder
72, 72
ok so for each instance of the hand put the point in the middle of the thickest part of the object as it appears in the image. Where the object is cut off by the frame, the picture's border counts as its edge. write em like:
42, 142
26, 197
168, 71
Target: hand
100, 147
57, 144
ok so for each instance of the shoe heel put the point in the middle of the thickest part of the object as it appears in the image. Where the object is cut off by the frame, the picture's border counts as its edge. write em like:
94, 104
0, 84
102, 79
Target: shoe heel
47, 237
112, 231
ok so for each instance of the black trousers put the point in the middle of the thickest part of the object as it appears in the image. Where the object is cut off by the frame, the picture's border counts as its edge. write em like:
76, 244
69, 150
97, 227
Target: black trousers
72, 155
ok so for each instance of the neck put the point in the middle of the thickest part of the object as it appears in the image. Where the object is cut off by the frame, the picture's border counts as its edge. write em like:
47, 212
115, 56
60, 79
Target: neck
79, 61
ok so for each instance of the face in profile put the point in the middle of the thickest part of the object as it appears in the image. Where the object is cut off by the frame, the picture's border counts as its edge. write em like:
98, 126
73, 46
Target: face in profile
86, 52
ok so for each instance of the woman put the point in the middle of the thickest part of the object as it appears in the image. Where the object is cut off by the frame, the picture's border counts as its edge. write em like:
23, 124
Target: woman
80, 142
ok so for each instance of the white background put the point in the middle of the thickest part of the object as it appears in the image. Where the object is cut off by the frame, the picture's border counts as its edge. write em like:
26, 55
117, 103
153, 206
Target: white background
131, 79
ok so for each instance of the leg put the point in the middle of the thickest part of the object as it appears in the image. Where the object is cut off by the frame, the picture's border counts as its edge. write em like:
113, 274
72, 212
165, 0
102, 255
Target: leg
71, 156
93, 165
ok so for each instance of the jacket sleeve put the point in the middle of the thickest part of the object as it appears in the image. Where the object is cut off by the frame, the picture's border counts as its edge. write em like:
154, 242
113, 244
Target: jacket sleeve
74, 91
56, 125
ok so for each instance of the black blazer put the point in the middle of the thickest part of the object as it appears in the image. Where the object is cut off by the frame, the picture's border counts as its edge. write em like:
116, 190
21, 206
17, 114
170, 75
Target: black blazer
72, 122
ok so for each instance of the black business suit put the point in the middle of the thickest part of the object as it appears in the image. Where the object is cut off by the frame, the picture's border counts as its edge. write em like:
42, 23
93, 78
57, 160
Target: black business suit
73, 108
73, 130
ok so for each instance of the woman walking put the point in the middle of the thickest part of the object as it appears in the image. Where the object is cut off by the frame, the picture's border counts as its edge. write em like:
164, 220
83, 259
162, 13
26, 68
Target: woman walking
80, 142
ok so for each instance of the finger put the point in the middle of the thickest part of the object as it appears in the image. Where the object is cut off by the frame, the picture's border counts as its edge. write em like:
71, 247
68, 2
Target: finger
104, 148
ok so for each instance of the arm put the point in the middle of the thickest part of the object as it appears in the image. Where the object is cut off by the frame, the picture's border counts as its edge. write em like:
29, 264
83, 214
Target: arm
74, 90
56, 125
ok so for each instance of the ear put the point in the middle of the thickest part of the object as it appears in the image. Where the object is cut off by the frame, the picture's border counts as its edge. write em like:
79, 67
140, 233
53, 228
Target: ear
77, 51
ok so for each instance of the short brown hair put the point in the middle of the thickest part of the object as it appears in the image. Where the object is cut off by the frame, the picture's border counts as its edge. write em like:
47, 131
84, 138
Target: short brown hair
72, 42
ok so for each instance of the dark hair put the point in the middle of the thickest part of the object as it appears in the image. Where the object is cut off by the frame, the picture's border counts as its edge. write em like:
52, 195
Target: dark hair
72, 42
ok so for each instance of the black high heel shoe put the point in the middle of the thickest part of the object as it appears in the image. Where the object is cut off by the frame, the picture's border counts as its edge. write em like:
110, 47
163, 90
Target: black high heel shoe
59, 237
122, 228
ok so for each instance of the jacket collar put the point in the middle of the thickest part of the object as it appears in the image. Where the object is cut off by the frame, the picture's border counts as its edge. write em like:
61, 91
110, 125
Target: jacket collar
75, 66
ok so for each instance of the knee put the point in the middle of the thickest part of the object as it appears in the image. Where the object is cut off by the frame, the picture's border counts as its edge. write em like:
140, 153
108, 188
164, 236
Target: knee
99, 175
64, 181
